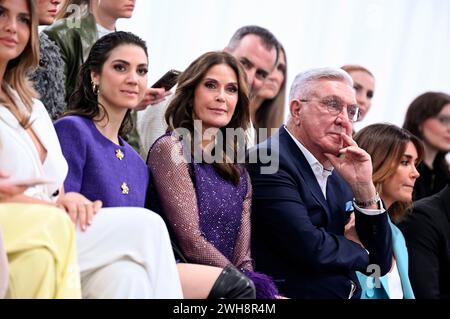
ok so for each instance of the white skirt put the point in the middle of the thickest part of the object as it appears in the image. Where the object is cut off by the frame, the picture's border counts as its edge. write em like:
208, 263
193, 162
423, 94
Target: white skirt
126, 253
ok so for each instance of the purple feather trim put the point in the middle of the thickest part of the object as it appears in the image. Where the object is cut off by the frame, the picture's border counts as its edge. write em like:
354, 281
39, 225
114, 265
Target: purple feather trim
265, 287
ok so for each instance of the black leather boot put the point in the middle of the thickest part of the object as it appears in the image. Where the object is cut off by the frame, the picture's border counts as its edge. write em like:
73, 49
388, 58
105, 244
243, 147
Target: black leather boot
232, 284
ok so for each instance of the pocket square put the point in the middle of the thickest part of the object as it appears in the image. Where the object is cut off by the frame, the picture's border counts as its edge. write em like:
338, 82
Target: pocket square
349, 206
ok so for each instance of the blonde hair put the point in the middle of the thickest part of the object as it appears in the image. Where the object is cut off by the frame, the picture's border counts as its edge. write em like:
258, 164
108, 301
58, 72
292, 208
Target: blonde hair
356, 67
17, 70
66, 10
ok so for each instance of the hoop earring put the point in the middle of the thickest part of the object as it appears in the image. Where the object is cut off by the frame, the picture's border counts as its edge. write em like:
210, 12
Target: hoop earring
95, 88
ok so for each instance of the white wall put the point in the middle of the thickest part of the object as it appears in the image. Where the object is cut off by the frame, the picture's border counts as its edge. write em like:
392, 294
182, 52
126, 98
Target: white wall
405, 43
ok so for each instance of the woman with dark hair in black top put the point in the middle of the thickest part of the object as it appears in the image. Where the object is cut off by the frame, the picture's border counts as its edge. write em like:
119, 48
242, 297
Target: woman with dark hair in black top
428, 117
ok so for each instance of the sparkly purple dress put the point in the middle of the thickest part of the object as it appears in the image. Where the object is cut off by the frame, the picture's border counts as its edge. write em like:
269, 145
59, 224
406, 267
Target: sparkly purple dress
208, 216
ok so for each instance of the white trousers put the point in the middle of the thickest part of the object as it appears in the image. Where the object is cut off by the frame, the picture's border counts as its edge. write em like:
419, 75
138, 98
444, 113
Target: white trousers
126, 253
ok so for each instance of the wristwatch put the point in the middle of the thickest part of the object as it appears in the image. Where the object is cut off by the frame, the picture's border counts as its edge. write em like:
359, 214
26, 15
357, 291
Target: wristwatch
370, 202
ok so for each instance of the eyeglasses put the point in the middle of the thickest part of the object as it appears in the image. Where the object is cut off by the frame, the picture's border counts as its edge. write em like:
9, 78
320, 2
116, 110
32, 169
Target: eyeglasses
444, 120
335, 107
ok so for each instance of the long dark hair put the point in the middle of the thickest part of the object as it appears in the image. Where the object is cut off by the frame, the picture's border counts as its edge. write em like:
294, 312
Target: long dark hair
179, 113
426, 106
386, 144
84, 101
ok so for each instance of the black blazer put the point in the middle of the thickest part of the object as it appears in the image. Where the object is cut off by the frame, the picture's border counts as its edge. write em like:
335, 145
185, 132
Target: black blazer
298, 235
427, 235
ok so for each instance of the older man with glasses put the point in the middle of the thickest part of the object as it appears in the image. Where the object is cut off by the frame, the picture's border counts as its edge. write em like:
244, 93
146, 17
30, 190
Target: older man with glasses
304, 232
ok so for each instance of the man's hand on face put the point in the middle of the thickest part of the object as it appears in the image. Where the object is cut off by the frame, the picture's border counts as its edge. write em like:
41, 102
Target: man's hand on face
355, 166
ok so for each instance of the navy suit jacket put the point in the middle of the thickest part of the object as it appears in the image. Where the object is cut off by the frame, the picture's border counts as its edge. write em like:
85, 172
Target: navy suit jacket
298, 235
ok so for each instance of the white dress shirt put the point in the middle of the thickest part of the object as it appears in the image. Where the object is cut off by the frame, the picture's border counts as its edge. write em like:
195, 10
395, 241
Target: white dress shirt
320, 172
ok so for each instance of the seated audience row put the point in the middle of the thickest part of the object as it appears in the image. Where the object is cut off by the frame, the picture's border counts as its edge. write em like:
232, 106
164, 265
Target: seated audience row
428, 117
322, 206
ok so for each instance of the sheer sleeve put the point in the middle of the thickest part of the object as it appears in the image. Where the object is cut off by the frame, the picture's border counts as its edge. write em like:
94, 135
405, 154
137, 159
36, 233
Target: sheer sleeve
178, 200
242, 258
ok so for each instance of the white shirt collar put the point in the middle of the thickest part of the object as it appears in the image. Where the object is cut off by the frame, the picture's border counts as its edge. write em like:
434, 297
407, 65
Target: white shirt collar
319, 171
312, 161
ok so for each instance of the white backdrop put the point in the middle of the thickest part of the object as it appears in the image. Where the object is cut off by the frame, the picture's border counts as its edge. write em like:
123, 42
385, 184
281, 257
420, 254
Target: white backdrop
405, 43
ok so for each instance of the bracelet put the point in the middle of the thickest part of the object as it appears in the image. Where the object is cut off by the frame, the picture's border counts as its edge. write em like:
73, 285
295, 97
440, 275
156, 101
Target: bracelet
368, 203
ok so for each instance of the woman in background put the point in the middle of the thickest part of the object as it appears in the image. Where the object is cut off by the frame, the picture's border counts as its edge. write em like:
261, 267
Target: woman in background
267, 108
395, 153
364, 85
428, 117
50, 85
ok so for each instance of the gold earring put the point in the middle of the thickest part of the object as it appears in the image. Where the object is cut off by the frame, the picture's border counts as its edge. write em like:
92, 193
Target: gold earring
95, 88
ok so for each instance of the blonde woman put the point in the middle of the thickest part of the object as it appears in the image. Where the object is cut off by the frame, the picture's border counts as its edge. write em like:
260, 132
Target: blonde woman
119, 255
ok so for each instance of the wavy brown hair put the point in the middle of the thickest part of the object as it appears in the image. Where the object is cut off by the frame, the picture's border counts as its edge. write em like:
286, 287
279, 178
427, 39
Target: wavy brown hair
179, 113
18, 68
386, 144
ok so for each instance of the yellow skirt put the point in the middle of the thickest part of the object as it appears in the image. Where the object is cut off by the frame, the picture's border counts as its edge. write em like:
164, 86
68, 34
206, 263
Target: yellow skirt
40, 244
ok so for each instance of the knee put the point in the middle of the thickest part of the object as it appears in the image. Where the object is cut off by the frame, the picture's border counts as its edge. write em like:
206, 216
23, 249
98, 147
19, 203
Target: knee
32, 274
232, 284
147, 219
121, 279
58, 221
38, 259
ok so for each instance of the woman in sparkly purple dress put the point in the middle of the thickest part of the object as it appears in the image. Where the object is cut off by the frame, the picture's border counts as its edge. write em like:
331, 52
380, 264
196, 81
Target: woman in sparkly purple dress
202, 191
